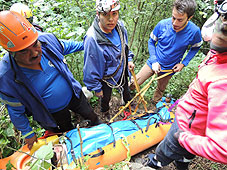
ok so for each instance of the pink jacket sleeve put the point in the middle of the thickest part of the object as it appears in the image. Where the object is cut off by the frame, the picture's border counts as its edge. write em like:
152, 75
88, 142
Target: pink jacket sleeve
212, 145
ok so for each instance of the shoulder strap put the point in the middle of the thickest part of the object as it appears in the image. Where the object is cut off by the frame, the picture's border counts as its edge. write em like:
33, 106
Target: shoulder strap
123, 56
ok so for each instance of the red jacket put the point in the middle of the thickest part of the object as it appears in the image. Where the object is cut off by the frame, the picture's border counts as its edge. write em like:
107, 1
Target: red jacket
202, 112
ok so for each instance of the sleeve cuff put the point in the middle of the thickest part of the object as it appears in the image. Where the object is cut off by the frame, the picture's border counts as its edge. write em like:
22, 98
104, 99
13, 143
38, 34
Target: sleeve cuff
97, 91
28, 135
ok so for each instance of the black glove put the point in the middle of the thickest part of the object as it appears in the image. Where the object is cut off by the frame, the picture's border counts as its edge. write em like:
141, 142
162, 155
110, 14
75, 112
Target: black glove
177, 134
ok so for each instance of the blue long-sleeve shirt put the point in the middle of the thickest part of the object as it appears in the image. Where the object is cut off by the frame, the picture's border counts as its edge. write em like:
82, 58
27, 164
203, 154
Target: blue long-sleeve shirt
167, 47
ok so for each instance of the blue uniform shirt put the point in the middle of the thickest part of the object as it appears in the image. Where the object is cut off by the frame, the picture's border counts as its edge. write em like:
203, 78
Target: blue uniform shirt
50, 85
167, 47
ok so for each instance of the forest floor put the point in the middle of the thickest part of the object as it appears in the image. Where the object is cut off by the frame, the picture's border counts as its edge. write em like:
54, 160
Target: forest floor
197, 164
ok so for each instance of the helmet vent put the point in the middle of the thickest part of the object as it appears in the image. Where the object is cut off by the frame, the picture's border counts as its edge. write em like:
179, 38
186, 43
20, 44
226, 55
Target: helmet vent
25, 37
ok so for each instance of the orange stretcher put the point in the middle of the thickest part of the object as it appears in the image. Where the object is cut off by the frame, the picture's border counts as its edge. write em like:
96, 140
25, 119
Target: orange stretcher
137, 142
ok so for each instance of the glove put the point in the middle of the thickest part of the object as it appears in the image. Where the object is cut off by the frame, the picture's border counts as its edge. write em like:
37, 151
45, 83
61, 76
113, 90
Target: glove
156, 67
87, 93
177, 134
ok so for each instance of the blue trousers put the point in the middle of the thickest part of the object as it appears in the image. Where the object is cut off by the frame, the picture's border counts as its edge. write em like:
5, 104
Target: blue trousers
170, 150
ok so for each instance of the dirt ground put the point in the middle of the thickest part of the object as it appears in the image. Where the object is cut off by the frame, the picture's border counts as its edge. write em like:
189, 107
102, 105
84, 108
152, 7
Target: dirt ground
197, 164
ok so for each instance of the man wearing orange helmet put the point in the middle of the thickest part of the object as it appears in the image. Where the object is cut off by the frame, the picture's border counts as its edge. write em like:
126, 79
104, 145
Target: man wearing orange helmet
107, 58
35, 79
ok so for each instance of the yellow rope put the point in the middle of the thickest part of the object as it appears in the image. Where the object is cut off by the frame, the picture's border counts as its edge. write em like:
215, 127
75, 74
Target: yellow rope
138, 90
141, 92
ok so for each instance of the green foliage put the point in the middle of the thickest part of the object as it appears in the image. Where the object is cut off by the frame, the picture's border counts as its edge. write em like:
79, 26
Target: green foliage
180, 82
9, 166
8, 136
42, 157
94, 101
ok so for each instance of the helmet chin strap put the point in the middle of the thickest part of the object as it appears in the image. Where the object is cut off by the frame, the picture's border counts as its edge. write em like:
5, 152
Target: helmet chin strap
13, 54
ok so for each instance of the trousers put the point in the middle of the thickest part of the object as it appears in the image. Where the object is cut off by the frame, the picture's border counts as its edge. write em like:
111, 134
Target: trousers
107, 91
162, 83
77, 105
169, 149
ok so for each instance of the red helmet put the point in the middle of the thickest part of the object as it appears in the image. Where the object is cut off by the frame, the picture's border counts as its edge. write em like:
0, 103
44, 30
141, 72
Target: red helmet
16, 32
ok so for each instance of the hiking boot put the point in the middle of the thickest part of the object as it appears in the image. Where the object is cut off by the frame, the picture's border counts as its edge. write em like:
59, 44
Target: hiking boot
150, 161
131, 85
153, 104
106, 114
181, 165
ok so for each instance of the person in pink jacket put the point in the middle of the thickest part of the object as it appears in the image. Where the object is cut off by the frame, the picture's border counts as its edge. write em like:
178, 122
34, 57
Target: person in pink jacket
201, 116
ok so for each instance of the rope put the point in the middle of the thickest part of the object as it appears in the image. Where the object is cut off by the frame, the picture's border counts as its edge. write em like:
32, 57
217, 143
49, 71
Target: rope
141, 92
2, 108
123, 57
138, 89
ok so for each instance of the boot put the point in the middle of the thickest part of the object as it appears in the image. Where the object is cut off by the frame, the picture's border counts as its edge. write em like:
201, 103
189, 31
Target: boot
106, 115
150, 161
181, 165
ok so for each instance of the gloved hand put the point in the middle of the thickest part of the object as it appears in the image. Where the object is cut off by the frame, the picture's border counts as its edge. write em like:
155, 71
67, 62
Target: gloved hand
156, 67
177, 134
87, 93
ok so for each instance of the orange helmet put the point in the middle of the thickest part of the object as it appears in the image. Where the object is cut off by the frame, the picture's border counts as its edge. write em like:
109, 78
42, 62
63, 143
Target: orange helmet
16, 32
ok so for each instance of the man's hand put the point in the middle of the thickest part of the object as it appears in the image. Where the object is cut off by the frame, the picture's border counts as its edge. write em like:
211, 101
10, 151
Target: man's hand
99, 94
131, 65
178, 67
31, 141
177, 134
156, 67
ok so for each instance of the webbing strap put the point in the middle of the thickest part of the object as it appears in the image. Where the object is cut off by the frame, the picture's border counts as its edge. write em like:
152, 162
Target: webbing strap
98, 154
114, 141
148, 123
133, 121
71, 150
159, 108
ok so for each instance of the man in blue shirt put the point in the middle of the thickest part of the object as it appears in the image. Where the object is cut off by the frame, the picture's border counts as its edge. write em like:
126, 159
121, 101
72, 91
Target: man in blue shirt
35, 79
167, 44
107, 58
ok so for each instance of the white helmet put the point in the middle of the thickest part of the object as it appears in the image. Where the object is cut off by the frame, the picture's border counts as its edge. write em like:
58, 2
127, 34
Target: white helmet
107, 5
22, 9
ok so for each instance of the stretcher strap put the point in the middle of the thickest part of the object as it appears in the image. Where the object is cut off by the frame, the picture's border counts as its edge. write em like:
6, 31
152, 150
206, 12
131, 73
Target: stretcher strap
148, 123
71, 150
133, 121
114, 141
98, 154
